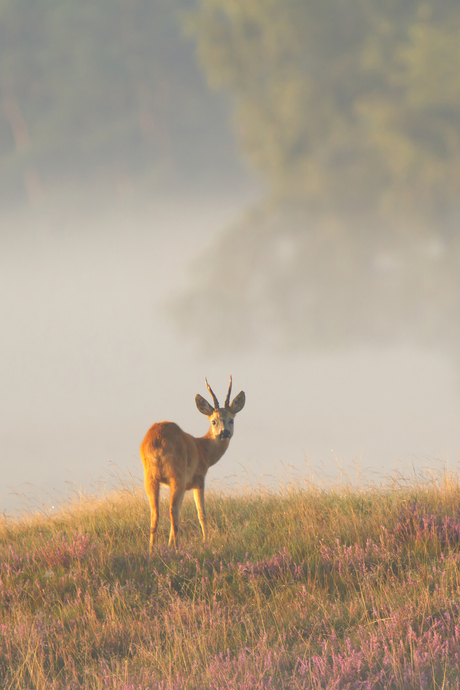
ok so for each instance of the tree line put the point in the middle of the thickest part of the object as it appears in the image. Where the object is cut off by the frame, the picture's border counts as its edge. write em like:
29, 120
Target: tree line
350, 110
353, 105
107, 92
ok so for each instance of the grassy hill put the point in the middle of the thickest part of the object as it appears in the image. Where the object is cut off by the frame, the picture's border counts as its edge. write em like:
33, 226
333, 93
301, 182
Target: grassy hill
345, 587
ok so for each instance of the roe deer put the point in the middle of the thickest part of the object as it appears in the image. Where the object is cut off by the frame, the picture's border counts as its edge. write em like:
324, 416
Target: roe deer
172, 457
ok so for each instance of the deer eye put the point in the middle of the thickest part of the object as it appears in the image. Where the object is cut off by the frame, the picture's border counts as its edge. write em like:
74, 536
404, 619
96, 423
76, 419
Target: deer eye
231, 421
214, 422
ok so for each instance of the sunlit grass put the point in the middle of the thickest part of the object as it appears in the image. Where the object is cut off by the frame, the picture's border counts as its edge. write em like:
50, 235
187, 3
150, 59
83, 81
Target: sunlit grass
309, 587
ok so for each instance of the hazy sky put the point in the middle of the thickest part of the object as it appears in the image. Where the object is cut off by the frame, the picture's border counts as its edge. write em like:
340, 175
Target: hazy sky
111, 101
90, 360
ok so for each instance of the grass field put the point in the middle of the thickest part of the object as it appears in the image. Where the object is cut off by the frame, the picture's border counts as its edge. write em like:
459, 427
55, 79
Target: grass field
343, 587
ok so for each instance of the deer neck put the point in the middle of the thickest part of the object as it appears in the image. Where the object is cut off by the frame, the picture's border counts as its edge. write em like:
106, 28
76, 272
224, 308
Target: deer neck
212, 448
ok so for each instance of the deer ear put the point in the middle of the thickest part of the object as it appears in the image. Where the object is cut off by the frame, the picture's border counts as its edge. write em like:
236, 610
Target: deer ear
238, 403
203, 405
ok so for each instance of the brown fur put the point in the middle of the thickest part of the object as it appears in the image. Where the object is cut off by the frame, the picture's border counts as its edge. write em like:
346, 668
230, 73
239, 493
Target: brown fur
176, 459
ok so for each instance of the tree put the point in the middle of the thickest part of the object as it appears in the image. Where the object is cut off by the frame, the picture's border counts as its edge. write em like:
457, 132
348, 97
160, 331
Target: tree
350, 104
101, 92
351, 111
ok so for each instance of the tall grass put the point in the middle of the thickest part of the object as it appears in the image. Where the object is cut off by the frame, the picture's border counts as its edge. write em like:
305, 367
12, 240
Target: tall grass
344, 587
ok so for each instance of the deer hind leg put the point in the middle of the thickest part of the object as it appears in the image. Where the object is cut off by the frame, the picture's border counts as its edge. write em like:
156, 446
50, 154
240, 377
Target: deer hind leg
177, 496
198, 495
152, 487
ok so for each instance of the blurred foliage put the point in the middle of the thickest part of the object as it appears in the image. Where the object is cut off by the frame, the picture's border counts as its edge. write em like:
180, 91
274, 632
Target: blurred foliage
351, 111
283, 280
353, 105
100, 93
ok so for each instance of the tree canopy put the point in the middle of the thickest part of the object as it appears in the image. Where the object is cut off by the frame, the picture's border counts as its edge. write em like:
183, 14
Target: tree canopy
350, 109
353, 105
102, 91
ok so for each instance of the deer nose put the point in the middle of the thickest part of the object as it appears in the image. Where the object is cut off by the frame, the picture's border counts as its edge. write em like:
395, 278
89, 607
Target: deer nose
225, 434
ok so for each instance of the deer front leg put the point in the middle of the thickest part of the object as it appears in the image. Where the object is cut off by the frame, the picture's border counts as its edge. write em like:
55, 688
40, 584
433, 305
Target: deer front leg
198, 495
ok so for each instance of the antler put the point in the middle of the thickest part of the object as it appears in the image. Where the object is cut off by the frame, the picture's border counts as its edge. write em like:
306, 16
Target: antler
216, 402
227, 399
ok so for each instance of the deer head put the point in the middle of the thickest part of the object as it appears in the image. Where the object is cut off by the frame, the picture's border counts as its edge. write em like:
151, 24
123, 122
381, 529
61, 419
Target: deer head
221, 418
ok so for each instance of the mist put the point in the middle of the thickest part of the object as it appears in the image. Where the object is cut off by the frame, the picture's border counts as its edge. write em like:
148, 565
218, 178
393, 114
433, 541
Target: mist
297, 229
91, 358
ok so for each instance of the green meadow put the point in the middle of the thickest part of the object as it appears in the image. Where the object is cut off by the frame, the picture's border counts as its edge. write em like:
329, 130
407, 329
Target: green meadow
340, 587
